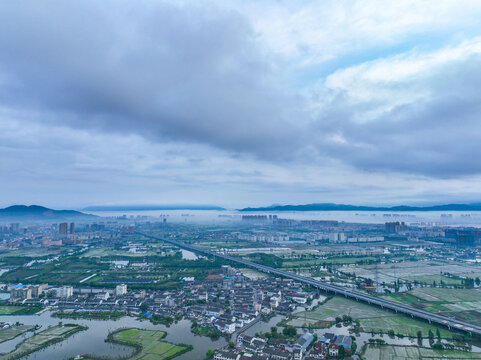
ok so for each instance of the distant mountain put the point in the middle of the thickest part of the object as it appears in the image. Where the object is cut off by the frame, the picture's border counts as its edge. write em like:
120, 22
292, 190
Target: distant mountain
151, 207
35, 212
341, 207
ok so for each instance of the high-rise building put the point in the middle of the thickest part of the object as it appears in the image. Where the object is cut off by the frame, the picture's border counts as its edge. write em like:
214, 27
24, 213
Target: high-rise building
120, 289
15, 227
394, 227
20, 292
64, 291
63, 228
72, 228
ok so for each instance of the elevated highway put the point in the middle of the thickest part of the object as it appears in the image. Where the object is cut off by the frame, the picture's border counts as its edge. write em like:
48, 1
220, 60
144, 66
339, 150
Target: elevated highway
338, 290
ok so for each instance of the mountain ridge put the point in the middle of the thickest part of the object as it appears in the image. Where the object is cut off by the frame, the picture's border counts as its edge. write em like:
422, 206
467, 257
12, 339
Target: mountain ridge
150, 207
346, 207
37, 212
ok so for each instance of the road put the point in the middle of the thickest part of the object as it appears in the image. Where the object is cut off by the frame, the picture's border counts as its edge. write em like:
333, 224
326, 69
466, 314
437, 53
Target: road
353, 294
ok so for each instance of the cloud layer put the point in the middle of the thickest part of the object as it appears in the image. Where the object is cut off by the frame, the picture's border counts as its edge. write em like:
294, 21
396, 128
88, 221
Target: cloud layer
254, 101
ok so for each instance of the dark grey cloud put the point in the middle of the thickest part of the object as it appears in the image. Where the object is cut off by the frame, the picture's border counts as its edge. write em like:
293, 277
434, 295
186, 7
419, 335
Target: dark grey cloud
199, 74
189, 73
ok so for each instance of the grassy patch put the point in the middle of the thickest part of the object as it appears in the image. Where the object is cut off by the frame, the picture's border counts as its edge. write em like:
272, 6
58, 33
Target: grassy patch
95, 315
14, 331
42, 339
16, 310
148, 344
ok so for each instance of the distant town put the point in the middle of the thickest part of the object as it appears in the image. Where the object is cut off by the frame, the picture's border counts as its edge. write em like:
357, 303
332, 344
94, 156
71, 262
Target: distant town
118, 269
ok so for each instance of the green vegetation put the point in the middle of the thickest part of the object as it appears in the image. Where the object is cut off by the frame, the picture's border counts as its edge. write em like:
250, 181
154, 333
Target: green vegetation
95, 315
211, 332
462, 304
148, 344
105, 251
14, 331
18, 309
382, 352
266, 259
42, 339
370, 319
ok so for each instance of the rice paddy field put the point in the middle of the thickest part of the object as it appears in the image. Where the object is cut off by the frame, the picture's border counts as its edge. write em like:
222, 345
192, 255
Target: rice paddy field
371, 318
41, 339
152, 346
421, 271
393, 352
463, 304
14, 331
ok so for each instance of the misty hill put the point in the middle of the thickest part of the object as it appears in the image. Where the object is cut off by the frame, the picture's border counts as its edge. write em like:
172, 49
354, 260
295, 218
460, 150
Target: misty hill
35, 212
151, 207
342, 207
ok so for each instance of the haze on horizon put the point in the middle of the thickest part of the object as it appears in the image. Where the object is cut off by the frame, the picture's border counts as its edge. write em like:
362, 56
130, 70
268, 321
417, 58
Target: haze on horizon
239, 103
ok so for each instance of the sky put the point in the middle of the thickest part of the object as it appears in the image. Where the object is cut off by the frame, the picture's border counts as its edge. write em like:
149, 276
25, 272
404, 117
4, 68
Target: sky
239, 103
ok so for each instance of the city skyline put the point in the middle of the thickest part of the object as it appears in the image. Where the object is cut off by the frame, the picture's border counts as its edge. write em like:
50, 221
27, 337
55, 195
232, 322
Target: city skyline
239, 104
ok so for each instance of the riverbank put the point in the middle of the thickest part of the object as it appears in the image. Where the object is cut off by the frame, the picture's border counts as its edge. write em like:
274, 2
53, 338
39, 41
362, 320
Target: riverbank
43, 339
147, 344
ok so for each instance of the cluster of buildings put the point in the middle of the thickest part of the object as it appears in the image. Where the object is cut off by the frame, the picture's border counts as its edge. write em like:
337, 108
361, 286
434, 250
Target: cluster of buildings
306, 347
224, 302
229, 302
395, 227
22, 292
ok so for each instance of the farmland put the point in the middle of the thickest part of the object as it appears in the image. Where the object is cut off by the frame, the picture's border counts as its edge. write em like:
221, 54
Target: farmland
149, 344
42, 339
371, 319
374, 352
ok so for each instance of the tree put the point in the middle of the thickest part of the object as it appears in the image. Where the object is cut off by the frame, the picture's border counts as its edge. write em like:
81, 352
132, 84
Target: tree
341, 352
289, 331
209, 353
274, 329
143, 308
477, 281
438, 334
231, 344
420, 337
431, 336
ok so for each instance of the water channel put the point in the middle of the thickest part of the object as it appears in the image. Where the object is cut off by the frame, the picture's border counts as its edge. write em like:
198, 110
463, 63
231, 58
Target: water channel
92, 341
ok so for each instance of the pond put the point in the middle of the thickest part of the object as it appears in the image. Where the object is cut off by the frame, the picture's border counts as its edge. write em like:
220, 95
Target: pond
92, 341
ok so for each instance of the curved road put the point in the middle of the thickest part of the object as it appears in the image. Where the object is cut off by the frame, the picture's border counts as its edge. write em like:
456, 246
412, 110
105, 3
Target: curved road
353, 294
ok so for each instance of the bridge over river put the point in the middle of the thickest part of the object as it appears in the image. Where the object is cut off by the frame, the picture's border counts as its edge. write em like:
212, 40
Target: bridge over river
338, 290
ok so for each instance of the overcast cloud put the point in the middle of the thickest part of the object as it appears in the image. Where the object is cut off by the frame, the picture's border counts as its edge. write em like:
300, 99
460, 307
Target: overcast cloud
239, 103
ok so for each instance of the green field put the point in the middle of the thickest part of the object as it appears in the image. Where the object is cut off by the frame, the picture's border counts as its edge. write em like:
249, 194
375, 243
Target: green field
101, 252
150, 344
95, 315
402, 325
15, 309
42, 339
32, 253
14, 331
393, 352
463, 304
371, 318
428, 279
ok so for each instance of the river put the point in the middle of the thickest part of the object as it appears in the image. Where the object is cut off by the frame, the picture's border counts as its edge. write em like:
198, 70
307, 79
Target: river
92, 341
